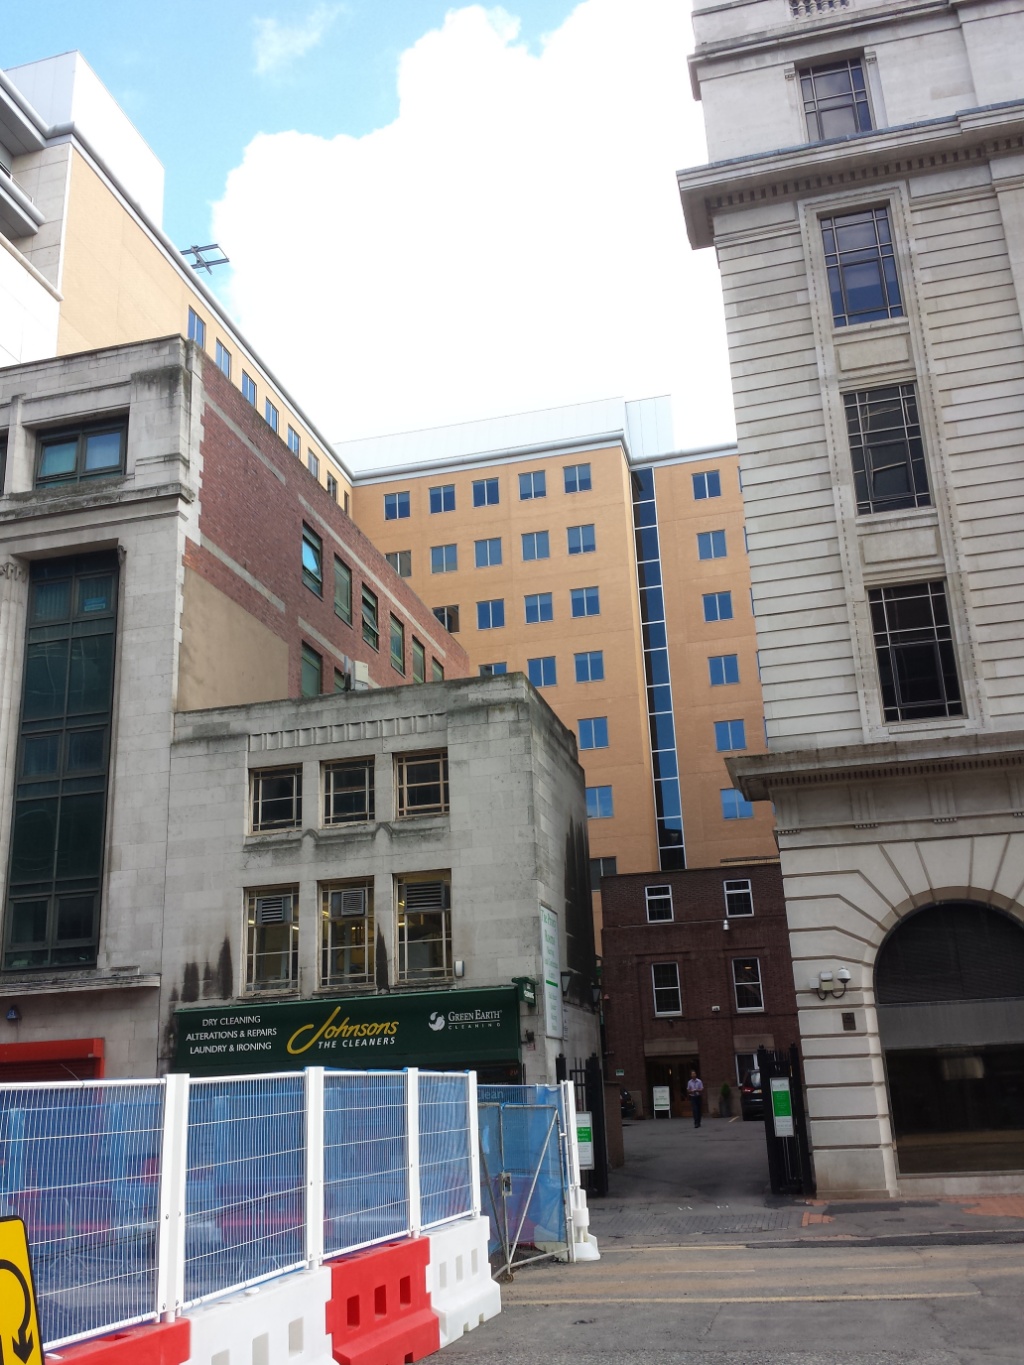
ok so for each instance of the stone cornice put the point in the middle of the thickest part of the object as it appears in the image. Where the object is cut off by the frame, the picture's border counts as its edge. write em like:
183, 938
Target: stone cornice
967, 138
760, 776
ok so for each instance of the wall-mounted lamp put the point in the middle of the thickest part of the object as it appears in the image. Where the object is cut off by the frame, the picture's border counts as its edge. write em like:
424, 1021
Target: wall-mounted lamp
460, 968
725, 924
528, 1037
716, 1009
13, 1015
566, 978
833, 984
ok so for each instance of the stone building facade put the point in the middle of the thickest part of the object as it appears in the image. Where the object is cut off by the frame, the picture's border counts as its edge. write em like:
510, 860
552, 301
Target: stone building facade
869, 222
696, 973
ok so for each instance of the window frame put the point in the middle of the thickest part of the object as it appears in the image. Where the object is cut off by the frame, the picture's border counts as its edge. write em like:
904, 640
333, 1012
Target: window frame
294, 440
490, 614
331, 792
487, 544
734, 888
708, 479
735, 805
271, 415
249, 389
660, 989
602, 807
538, 603
313, 561
856, 101
838, 262
748, 985
450, 618
539, 667
369, 615
405, 808
597, 871
868, 457
730, 747
342, 591
444, 558
418, 652
222, 359
313, 464
724, 660
713, 604
81, 434
659, 898
397, 505
310, 659
949, 703
588, 599
597, 733
498, 669
396, 637
483, 497
572, 474
535, 481
581, 543
289, 951
711, 545
329, 947
537, 538
401, 562
258, 824
589, 655
444, 915
196, 329
443, 494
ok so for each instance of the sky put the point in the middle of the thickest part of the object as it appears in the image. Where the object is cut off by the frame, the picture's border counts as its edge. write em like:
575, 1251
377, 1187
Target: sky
434, 212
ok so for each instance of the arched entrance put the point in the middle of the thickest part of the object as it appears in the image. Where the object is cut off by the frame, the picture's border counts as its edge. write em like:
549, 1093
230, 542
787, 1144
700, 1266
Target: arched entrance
949, 985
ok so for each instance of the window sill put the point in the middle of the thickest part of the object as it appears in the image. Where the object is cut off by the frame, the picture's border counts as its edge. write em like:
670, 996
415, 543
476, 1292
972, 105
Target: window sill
53, 981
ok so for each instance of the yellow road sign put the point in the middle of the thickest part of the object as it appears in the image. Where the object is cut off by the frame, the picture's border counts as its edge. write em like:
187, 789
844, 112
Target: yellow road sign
19, 1321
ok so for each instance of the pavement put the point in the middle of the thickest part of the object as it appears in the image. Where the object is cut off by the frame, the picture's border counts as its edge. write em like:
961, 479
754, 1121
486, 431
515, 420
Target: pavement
701, 1265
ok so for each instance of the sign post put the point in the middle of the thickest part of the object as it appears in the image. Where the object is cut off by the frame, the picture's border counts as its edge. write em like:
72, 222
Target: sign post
662, 1100
19, 1318
585, 1139
782, 1106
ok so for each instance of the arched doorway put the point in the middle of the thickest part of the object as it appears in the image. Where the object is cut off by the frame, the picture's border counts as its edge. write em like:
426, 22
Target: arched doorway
949, 985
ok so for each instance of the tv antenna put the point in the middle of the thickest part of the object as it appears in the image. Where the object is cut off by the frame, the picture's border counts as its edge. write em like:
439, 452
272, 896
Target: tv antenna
200, 260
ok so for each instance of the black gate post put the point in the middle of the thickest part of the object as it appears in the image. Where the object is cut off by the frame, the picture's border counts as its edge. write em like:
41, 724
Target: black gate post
789, 1158
803, 1140
594, 1082
561, 1068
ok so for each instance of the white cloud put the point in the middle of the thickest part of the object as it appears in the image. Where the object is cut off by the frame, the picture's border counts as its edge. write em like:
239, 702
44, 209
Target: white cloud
276, 45
513, 240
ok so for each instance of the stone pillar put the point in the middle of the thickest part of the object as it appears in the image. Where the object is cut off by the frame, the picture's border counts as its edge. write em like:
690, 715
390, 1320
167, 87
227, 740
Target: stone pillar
13, 608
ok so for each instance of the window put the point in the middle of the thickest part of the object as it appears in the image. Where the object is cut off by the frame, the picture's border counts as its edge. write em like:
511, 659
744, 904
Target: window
539, 607
313, 464
442, 498
745, 1061
602, 867
668, 998
590, 666
532, 485
739, 898
59, 783
312, 561
723, 669
711, 545
272, 942
593, 732
535, 545
444, 558
577, 478
582, 540
421, 783
490, 615
735, 806
248, 388
347, 939
419, 661
659, 904
730, 734
401, 562
294, 441
449, 618
718, 606
223, 358
835, 100
371, 627
342, 591
707, 484
276, 799
332, 487
396, 506
861, 266
196, 328
485, 492
397, 646
488, 553
746, 978
311, 672
585, 601
424, 928
436, 670
342, 681
493, 670
348, 791
81, 454
600, 805
542, 672
886, 449
914, 648
271, 415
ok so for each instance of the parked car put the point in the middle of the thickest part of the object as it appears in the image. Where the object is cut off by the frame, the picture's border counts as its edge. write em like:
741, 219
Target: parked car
627, 1102
751, 1096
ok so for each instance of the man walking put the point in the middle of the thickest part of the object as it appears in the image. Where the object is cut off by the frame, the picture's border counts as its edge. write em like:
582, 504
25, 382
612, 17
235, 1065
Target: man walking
695, 1090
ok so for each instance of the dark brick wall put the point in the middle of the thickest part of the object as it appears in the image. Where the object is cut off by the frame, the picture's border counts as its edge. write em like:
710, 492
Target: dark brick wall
253, 509
703, 950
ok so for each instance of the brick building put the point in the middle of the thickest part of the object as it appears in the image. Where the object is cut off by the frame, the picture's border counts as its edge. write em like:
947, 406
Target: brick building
697, 973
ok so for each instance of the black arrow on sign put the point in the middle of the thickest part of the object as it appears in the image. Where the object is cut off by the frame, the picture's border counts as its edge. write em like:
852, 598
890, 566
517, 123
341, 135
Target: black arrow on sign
23, 1343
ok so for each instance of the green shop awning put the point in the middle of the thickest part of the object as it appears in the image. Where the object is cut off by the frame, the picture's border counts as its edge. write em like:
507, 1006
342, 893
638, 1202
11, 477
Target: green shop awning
442, 1030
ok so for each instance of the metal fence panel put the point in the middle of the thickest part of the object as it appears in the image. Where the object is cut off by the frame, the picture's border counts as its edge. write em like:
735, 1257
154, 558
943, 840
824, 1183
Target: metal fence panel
446, 1162
523, 1168
366, 1159
246, 1179
80, 1164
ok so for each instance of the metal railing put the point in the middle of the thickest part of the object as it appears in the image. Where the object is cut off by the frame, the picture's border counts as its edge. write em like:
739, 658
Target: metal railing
143, 1198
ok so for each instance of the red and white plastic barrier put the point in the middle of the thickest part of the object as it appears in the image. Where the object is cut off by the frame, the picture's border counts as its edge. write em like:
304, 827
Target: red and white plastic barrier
462, 1293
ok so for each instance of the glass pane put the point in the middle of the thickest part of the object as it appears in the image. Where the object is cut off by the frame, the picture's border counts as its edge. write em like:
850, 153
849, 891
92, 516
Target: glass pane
92, 664
103, 451
50, 602
46, 666
39, 755
75, 917
80, 839
57, 459
95, 595
85, 751
33, 840
28, 921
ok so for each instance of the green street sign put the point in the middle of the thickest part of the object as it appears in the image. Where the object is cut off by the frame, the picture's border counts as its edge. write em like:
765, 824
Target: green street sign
444, 1030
